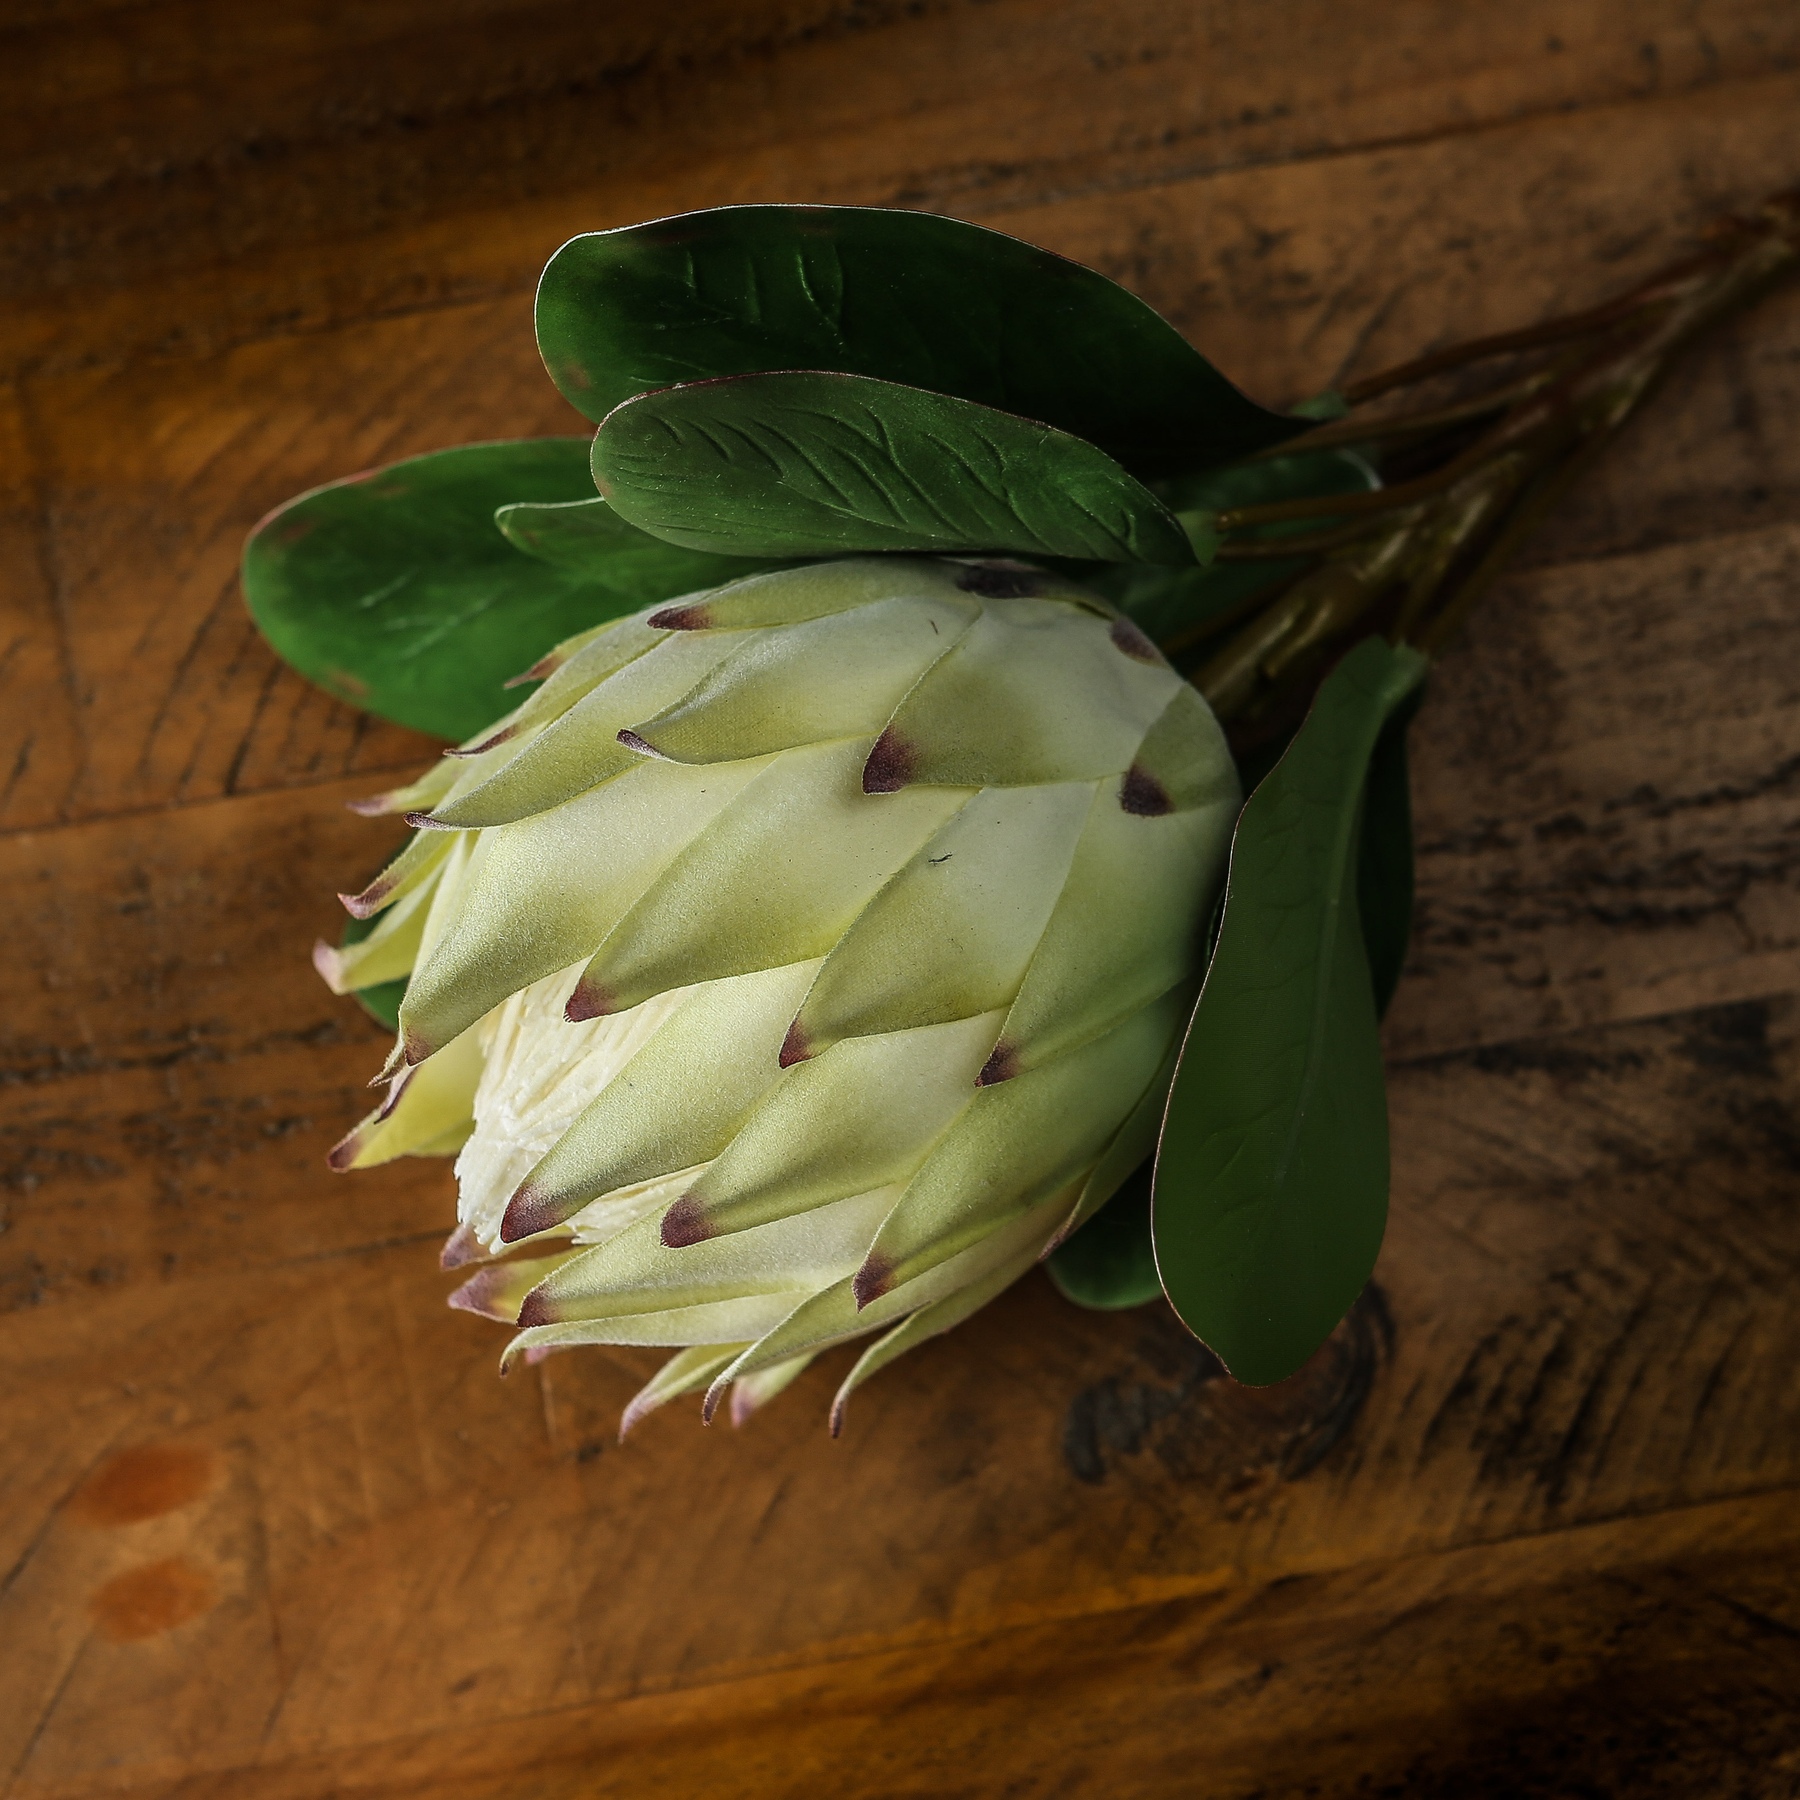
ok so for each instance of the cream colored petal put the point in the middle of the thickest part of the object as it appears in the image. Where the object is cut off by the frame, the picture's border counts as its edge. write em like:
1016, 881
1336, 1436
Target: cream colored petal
1037, 691
834, 677
543, 893
864, 1115
1017, 1143
954, 931
776, 877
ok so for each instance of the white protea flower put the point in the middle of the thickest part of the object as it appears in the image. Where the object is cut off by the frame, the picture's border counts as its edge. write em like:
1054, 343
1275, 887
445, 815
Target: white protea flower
802, 960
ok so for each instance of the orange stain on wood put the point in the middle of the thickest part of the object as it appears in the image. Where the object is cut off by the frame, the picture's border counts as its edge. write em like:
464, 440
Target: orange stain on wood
142, 1483
155, 1597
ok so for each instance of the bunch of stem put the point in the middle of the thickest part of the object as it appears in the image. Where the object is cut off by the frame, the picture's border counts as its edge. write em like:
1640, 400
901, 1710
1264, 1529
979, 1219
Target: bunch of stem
1413, 557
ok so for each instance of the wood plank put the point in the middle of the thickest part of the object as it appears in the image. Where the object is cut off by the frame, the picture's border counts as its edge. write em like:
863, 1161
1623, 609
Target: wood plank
194, 706
1584, 1310
197, 173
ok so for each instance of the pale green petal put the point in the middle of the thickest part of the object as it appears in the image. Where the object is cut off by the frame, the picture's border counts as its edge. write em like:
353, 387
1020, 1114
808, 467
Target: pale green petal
675, 1103
776, 878
422, 1106
417, 863
835, 677
953, 932
861, 1116
599, 655
684, 1373
1037, 691
499, 1290
415, 796
1129, 925
791, 596
1018, 1142
636, 1272
581, 749
716, 1322
832, 1316
1136, 1139
1184, 761
387, 953
751, 1392
544, 892
918, 1328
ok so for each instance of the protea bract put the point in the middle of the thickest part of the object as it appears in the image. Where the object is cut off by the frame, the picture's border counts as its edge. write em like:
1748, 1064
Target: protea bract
800, 962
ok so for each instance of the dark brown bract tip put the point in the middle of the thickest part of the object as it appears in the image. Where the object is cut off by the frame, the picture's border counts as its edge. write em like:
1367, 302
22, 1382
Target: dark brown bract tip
461, 1247
527, 1213
414, 1050
681, 618
341, 1157
1127, 637
487, 743
1002, 1065
536, 1310
998, 581
872, 1280
686, 1223
794, 1047
1141, 793
587, 1002
424, 821
642, 746
478, 1295
890, 764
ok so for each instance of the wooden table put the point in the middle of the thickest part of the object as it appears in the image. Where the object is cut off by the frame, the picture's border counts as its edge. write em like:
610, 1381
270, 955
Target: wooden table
273, 1527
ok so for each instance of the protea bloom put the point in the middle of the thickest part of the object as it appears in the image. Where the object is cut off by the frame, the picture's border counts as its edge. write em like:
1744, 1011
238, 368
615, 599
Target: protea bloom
801, 961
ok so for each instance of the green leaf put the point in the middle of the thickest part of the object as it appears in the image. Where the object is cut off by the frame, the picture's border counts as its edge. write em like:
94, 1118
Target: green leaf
394, 592
1181, 603
587, 537
1384, 862
1271, 1178
809, 464
905, 296
1110, 1263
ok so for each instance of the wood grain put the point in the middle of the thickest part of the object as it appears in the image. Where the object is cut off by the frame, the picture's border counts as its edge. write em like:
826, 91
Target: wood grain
271, 1526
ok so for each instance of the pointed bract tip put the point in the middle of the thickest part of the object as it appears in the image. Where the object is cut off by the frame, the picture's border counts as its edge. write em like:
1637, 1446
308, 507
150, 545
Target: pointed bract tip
642, 746
545, 666
587, 1002
1141, 793
686, 1223
681, 618
634, 1415
371, 806
535, 1309
479, 1295
1002, 1065
369, 902
795, 1047
838, 1408
328, 963
486, 744
341, 1157
527, 1213
873, 1279
890, 764
714, 1395
413, 1050
1127, 637
424, 821
461, 1247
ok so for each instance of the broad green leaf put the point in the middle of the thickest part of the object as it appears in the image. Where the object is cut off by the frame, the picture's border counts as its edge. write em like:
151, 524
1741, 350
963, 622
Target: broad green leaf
588, 538
395, 592
1110, 1263
906, 296
805, 464
1179, 604
1384, 864
1271, 1179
